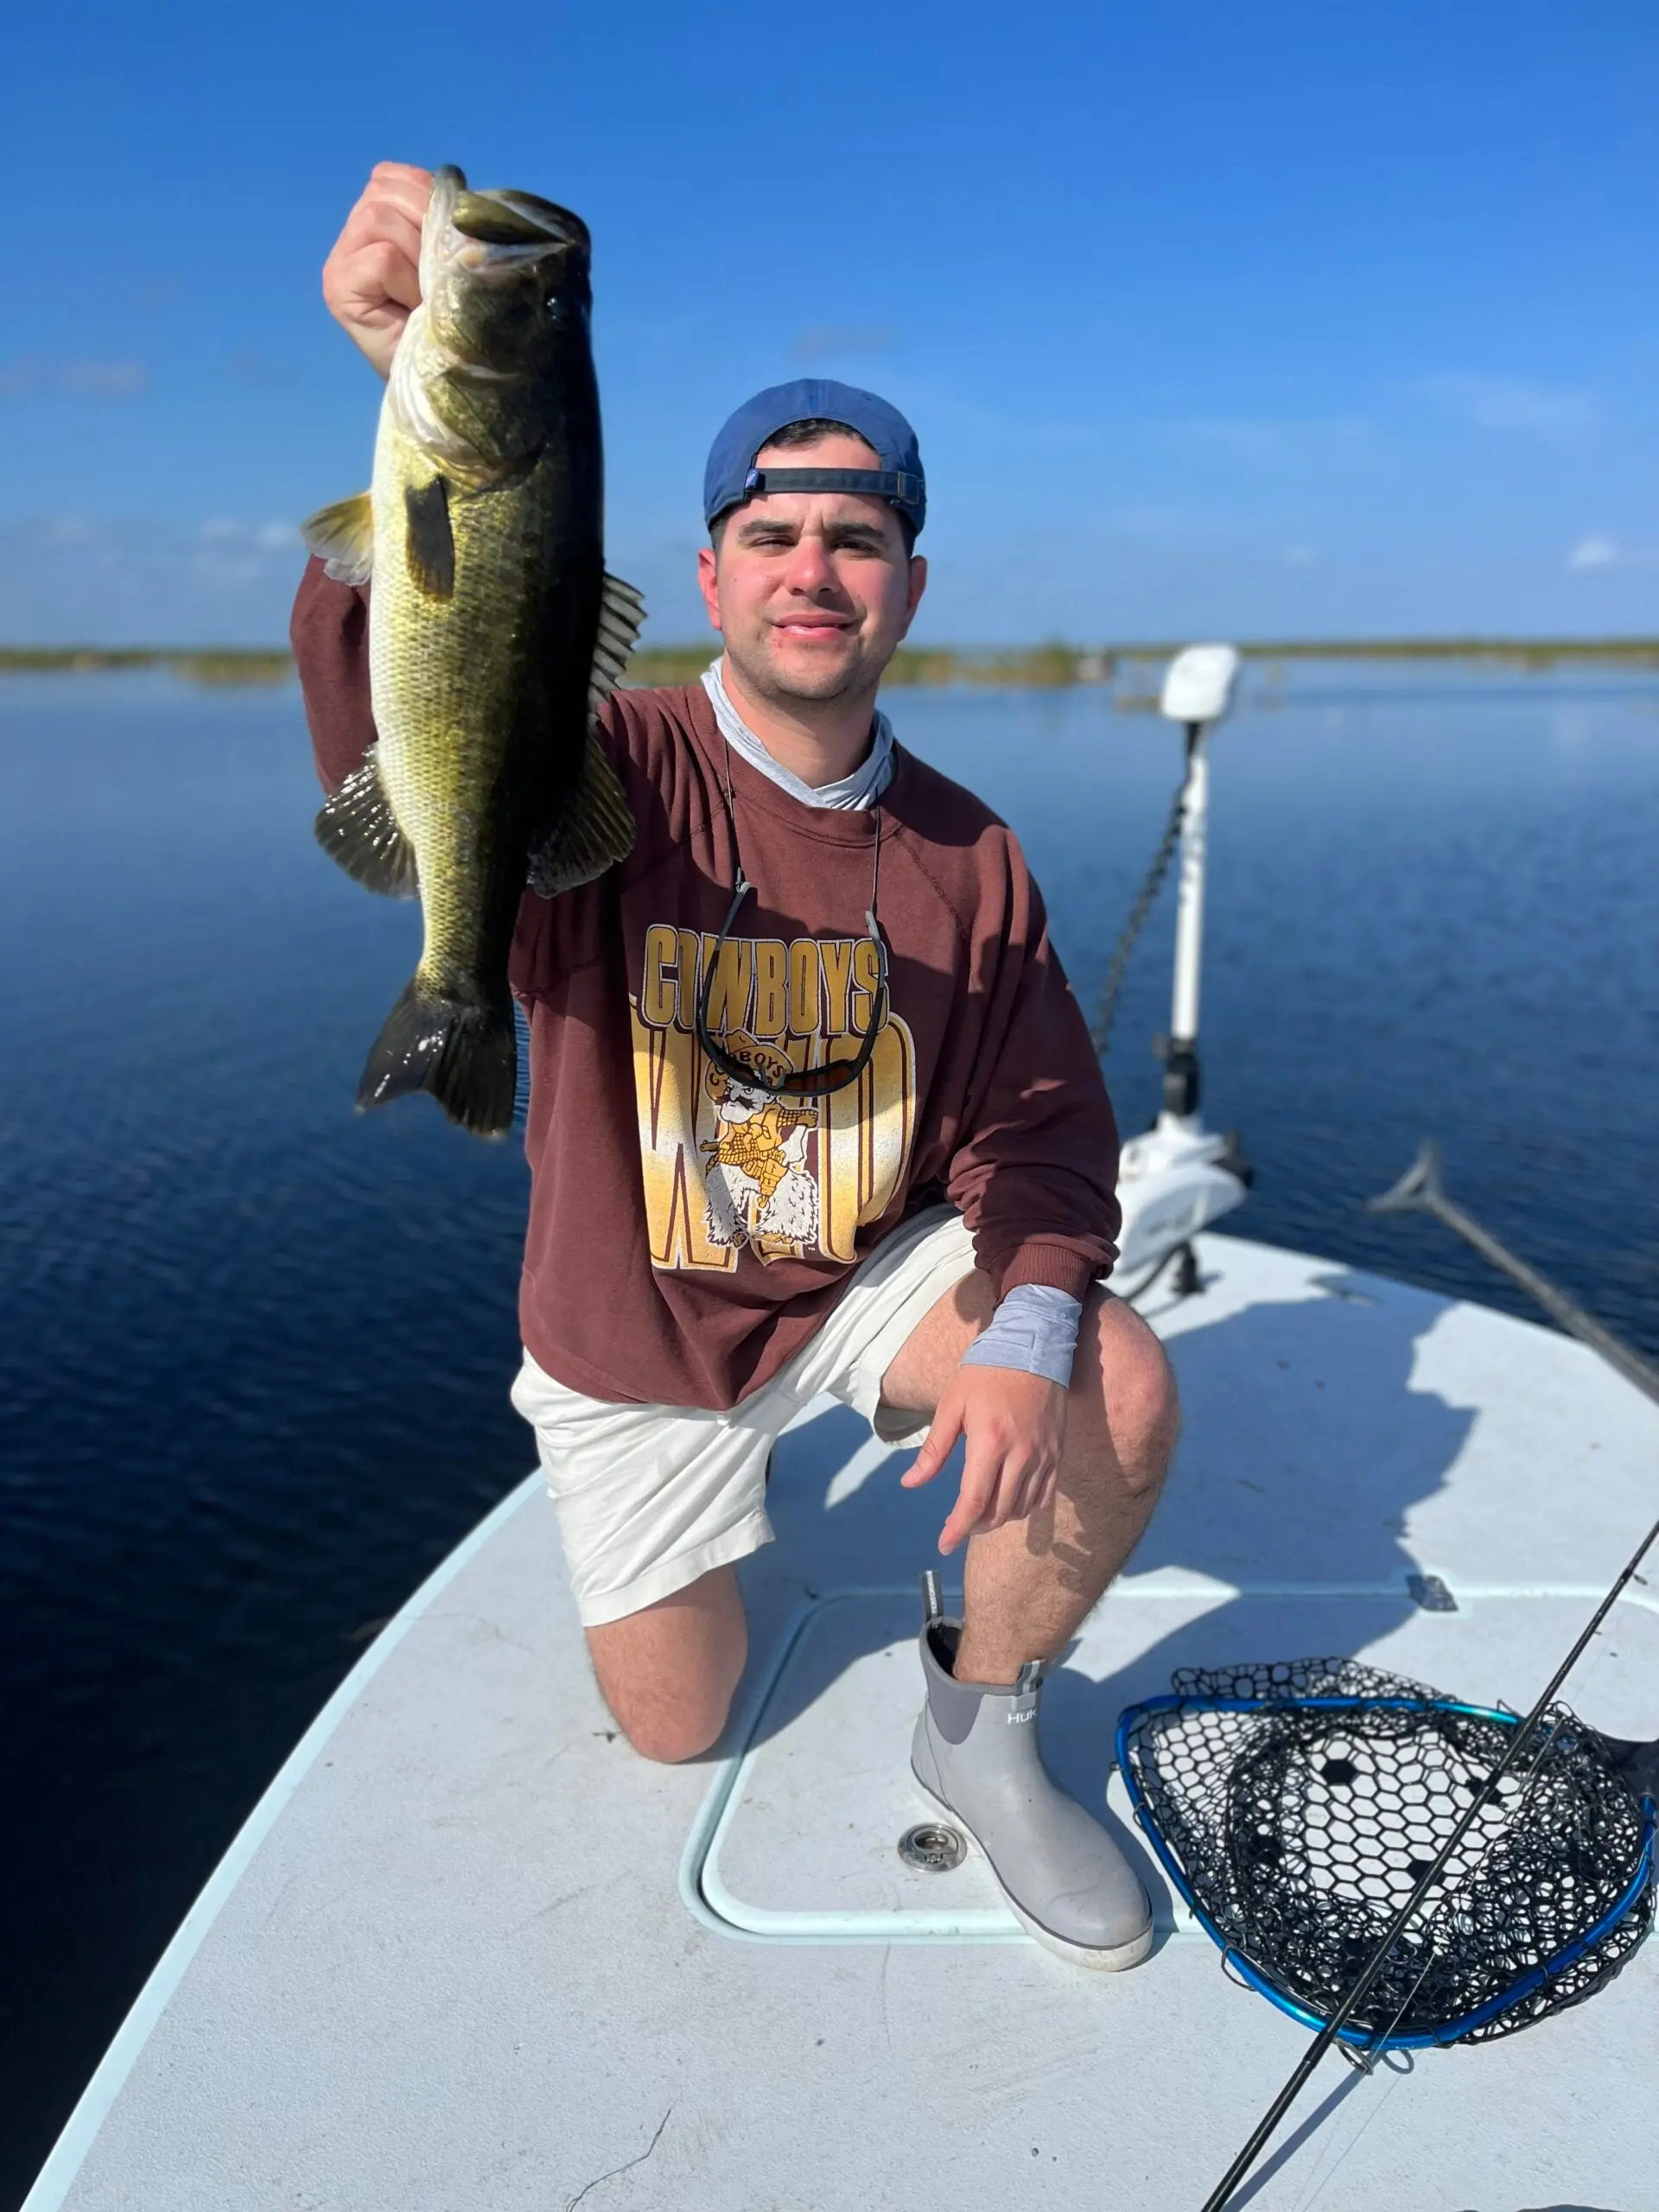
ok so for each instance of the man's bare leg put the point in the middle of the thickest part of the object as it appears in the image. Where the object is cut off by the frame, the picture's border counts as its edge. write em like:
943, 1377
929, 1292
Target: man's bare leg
668, 1672
1029, 1585
1030, 1580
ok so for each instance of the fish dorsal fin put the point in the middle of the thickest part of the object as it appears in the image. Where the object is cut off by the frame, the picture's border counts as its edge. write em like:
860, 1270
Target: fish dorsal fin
358, 827
621, 614
596, 831
343, 536
428, 541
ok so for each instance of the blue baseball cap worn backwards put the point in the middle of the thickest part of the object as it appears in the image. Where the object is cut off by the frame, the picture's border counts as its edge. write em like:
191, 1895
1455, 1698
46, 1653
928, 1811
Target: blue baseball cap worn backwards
732, 477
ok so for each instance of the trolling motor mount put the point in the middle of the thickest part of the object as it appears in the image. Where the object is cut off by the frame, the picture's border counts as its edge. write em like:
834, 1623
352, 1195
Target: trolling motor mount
1181, 1086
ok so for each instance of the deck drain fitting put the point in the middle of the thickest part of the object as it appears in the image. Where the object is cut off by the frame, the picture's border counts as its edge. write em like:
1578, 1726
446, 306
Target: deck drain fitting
932, 1846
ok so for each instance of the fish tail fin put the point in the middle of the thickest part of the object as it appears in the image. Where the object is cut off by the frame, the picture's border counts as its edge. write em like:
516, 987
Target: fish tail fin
463, 1050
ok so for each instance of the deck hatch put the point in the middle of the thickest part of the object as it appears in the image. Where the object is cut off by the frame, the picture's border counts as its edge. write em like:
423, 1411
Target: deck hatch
796, 1840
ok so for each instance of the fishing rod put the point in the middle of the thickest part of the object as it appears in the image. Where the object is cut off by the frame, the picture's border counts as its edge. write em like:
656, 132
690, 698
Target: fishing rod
1420, 1190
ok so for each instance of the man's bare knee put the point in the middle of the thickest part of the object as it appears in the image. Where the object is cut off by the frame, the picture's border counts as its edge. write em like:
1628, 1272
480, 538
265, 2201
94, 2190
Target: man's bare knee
1139, 1405
669, 1735
668, 1672
1142, 1403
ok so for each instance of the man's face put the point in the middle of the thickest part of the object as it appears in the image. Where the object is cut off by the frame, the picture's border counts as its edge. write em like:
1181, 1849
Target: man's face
812, 590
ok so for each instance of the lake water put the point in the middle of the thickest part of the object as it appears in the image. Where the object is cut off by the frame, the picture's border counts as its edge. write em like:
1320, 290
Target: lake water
257, 1348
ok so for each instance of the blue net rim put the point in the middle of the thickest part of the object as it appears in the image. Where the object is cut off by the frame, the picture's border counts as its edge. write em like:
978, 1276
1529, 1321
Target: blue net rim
1245, 1970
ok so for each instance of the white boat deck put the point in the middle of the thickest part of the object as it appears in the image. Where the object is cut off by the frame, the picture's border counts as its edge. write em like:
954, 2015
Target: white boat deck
471, 1954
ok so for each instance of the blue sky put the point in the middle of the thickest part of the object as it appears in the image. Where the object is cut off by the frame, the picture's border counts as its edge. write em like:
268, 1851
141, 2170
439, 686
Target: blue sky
1288, 320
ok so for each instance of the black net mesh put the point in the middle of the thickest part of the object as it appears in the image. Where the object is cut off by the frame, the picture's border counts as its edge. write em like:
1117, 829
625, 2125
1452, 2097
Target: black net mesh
1301, 1832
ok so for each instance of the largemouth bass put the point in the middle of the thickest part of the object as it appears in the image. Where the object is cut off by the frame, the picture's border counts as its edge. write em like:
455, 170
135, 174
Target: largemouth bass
494, 634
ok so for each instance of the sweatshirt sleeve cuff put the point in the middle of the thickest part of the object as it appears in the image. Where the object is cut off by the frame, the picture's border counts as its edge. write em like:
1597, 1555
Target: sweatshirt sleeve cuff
1057, 1265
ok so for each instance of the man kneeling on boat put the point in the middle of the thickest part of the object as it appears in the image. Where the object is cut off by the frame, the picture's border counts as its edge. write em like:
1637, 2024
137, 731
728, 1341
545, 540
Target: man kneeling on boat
822, 1117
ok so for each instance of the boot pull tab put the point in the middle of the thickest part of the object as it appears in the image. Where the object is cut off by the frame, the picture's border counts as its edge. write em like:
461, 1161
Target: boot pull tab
932, 1599
1028, 1677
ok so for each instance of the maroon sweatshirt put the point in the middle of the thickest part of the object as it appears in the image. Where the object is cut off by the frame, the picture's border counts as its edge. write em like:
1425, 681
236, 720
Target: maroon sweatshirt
688, 1233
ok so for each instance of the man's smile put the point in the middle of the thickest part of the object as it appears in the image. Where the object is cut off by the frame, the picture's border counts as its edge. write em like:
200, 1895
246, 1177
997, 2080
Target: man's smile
816, 625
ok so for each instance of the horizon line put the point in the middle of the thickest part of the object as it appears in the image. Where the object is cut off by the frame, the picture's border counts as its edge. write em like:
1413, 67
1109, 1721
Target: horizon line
1337, 647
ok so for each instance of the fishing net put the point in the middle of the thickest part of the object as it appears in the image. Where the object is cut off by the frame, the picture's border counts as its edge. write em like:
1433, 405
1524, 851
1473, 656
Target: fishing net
1298, 1804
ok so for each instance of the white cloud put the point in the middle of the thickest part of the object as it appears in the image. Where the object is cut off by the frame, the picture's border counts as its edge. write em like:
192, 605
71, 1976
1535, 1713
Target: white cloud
1598, 551
1274, 441
103, 379
1513, 403
257, 537
1593, 552
120, 579
841, 339
69, 529
233, 555
30, 377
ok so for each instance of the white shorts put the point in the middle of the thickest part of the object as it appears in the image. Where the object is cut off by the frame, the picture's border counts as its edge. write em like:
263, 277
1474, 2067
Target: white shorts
648, 1498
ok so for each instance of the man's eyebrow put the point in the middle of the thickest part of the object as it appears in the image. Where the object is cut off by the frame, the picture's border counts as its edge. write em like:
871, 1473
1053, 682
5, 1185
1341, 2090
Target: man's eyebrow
842, 529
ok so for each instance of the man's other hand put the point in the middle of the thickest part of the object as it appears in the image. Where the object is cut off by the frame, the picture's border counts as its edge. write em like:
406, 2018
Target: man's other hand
1015, 1426
373, 278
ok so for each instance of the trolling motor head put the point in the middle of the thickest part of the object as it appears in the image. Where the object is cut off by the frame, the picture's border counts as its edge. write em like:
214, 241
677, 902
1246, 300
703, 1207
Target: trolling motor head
1198, 685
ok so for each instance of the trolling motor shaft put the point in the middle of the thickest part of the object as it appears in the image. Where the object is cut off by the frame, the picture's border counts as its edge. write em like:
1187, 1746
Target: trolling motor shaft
1197, 691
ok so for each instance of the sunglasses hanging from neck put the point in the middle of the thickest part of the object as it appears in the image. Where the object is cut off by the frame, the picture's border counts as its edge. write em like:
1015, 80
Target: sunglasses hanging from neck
808, 1083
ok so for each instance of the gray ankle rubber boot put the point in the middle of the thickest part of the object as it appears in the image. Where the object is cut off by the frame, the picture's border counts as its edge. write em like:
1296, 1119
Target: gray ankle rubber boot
975, 1753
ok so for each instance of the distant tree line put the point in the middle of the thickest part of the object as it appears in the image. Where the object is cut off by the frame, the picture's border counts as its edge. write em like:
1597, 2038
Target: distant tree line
1017, 667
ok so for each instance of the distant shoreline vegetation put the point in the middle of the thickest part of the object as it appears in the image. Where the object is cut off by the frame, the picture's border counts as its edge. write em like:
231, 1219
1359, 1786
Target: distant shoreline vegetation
1046, 667
198, 664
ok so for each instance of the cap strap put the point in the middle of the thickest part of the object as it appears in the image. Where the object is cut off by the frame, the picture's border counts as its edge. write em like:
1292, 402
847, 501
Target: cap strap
875, 483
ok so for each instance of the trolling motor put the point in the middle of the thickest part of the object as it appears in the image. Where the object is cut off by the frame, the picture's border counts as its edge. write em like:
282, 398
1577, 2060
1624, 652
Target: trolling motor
1178, 1177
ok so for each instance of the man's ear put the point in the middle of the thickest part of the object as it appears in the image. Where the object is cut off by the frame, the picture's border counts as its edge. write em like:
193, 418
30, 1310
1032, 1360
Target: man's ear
709, 582
918, 585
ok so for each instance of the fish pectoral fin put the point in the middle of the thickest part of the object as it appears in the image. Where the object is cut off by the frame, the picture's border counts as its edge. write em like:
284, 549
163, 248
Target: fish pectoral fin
428, 541
621, 614
596, 831
343, 538
358, 827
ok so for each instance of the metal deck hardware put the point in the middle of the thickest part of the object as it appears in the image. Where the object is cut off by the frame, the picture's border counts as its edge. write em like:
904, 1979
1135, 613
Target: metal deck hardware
933, 1846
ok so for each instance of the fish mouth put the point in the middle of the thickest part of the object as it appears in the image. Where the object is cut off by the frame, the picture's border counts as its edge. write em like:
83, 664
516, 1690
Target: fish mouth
496, 225
504, 218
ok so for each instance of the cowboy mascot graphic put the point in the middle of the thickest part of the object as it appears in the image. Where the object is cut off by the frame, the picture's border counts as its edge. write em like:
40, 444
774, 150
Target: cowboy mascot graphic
761, 1191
